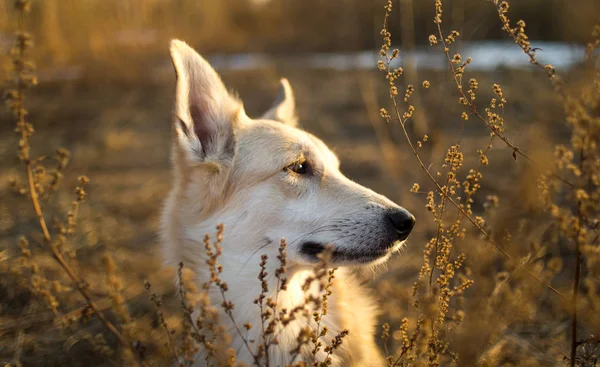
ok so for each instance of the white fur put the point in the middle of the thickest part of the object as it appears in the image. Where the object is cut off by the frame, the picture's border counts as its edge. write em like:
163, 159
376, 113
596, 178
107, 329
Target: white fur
230, 169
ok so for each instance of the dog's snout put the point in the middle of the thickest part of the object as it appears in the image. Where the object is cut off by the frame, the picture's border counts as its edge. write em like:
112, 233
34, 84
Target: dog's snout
403, 222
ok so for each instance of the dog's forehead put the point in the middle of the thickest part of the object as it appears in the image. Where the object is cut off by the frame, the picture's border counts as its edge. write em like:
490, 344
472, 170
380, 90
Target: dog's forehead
273, 141
265, 147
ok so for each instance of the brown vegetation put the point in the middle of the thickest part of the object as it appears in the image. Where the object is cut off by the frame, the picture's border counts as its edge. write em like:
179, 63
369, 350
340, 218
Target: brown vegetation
504, 179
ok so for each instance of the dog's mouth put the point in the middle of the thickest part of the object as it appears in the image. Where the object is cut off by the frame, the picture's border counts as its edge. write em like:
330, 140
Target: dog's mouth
311, 251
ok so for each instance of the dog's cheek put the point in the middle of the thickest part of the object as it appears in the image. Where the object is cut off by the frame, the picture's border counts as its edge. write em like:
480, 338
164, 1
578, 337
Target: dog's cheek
290, 187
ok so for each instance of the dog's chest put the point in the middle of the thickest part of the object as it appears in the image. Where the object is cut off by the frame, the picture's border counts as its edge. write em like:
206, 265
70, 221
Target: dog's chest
293, 341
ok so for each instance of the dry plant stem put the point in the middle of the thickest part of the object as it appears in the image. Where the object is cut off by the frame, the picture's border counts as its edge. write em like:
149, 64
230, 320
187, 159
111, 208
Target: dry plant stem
237, 329
42, 222
59, 258
260, 301
322, 313
37, 318
559, 86
477, 226
503, 138
468, 196
294, 355
473, 109
439, 231
558, 83
222, 287
170, 342
575, 296
407, 348
577, 276
263, 336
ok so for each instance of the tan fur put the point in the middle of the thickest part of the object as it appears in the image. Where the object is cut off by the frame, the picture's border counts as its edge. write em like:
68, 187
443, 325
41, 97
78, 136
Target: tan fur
231, 169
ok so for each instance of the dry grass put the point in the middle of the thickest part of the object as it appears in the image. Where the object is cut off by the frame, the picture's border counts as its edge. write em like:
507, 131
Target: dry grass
563, 190
503, 269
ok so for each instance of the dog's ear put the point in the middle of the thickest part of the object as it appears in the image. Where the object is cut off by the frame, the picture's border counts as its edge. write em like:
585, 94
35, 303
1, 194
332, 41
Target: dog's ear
205, 113
284, 107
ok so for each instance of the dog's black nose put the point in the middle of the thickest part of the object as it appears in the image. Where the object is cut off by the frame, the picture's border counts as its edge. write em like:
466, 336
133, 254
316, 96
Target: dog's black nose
402, 221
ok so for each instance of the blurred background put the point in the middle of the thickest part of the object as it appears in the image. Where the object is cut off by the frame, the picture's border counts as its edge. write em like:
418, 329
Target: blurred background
106, 91
108, 39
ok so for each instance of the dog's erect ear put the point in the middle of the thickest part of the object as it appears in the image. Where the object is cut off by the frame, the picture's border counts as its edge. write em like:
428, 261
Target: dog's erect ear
284, 107
205, 113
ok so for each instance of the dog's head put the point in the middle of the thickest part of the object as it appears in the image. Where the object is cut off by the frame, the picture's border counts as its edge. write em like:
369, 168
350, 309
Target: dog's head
266, 179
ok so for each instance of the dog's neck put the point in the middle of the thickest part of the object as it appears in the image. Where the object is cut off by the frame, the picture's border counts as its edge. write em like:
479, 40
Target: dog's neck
245, 289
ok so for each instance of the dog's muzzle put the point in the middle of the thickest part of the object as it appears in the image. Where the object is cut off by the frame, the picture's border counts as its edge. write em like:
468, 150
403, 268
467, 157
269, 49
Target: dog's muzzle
397, 225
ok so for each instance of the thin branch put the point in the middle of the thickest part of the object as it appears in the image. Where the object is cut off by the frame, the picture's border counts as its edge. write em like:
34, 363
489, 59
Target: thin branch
460, 209
577, 274
47, 238
473, 109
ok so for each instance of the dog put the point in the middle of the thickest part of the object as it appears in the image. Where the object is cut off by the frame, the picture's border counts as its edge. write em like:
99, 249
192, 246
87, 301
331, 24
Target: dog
266, 179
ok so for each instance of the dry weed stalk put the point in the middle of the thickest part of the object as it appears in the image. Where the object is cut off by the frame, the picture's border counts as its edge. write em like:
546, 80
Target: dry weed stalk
575, 178
158, 303
40, 185
578, 219
205, 334
403, 117
457, 66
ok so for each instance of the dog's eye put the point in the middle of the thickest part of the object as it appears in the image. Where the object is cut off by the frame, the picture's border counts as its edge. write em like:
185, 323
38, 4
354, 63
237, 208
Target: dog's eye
299, 167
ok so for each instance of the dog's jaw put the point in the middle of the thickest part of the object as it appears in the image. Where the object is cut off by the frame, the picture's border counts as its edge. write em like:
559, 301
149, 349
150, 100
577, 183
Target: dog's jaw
311, 251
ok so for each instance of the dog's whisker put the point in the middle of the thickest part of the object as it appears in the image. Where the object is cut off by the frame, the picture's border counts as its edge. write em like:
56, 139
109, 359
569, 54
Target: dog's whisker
267, 243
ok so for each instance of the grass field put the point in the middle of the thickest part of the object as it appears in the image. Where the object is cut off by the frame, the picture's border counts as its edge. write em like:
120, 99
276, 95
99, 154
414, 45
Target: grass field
116, 127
